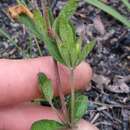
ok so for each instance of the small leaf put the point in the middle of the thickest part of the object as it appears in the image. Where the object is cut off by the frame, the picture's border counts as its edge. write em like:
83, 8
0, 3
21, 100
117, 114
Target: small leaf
46, 86
46, 125
85, 51
39, 21
75, 52
64, 53
80, 107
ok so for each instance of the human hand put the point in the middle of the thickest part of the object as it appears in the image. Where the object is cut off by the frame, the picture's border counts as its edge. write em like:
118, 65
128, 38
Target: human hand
18, 85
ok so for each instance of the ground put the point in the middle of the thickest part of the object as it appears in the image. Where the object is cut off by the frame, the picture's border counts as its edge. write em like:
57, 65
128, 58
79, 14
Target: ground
109, 96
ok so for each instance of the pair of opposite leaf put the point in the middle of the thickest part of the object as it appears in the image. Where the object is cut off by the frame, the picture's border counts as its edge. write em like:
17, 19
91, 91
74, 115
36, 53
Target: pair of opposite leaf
70, 47
47, 91
63, 45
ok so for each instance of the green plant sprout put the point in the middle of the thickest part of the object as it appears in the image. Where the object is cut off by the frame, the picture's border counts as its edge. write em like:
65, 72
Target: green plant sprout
111, 11
59, 36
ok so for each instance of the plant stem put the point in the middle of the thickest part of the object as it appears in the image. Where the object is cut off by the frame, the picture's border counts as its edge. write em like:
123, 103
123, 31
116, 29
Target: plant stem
57, 112
72, 95
37, 44
61, 93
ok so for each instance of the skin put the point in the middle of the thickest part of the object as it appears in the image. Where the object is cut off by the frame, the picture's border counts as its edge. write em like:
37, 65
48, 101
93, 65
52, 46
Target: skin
18, 82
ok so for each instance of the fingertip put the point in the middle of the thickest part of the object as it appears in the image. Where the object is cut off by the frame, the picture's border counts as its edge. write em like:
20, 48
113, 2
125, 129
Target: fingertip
84, 125
83, 75
22, 116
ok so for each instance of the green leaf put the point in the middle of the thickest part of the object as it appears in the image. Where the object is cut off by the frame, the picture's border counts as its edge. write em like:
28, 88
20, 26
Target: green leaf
39, 21
111, 11
67, 11
46, 125
73, 29
63, 48
68, 38
55, 25
76, 52
28, 22
51, 45
40, 24
46, 86
85, 51
66, 33
65, 30
74, 56
51, 17
80, 107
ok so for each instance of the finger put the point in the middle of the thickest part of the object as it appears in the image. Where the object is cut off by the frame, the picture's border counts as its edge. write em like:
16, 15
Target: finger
18, 78
22, 117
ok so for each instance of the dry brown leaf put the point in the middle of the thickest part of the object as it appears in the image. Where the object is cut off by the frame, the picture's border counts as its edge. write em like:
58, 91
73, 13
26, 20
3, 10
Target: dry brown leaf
119, 87
100, 81
16, 10
99, 26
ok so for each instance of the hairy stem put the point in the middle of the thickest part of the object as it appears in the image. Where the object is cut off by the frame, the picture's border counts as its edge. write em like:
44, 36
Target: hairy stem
57, 112
61, 93
72, 96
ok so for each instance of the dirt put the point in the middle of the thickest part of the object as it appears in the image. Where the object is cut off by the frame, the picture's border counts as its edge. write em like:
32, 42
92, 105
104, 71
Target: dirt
109, 98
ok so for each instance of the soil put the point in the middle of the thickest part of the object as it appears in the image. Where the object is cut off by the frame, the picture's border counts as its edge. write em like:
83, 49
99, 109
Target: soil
109, 96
